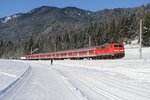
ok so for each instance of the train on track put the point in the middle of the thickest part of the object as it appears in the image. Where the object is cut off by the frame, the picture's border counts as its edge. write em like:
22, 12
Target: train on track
104, 51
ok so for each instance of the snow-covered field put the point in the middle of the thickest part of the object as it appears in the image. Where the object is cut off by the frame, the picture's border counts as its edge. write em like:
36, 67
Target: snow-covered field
121, 79
10, 72
133, 53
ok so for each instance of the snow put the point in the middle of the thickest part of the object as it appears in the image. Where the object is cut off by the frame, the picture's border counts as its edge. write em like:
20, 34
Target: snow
133, 44
31, 11
119, 79
88, 13
6, 19
133, 53
10, 71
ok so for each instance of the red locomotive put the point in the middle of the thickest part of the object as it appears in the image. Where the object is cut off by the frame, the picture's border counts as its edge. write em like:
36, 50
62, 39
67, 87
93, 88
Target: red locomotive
112, 50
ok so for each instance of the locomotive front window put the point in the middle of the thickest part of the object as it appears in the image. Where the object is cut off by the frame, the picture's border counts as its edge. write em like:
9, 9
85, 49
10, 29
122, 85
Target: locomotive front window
118, 46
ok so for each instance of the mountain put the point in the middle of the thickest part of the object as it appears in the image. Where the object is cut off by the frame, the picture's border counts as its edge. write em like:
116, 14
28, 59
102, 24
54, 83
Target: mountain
50, 28
42, 20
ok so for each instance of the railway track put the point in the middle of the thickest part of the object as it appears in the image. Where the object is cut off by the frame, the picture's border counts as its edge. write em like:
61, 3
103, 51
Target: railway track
105, 85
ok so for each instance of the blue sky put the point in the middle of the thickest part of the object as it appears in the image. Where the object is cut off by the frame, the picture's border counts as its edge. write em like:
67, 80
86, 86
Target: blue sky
10, 7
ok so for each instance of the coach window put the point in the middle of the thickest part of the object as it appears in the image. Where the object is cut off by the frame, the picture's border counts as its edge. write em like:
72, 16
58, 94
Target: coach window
83, 52
63, 54
80, 52
36, 56
49, 55
70, 53
74, 53
91, 51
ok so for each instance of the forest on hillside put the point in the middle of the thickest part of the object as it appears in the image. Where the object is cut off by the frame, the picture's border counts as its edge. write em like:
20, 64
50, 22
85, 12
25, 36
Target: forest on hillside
100, 33
105, 26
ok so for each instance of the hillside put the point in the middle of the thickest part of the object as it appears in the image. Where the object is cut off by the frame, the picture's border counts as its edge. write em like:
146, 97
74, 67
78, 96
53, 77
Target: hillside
52, 28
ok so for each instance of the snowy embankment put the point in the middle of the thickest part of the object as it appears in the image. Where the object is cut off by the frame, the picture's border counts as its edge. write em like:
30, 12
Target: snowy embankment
133, 69
133, 53
10, 73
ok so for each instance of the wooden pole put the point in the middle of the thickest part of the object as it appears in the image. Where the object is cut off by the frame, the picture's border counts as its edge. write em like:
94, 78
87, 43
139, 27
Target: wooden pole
89, 41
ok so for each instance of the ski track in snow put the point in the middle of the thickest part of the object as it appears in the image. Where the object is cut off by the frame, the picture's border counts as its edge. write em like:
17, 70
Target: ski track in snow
7, 74
94, 82
45, 84
82, 83
75, 90
21, 86
98, 89
17, 85
115, 85
86, 81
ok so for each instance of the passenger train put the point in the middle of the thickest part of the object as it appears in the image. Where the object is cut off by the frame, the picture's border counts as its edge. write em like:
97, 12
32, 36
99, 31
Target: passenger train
104, 51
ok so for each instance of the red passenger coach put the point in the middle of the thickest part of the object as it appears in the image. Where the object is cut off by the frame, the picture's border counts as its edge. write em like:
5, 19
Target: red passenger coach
111, 50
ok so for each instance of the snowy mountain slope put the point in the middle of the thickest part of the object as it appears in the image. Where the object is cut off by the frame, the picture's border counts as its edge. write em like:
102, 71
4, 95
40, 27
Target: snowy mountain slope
6, 19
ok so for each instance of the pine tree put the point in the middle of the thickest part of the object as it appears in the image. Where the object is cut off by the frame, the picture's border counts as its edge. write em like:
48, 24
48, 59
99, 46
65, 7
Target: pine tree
30, 43
112, 31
